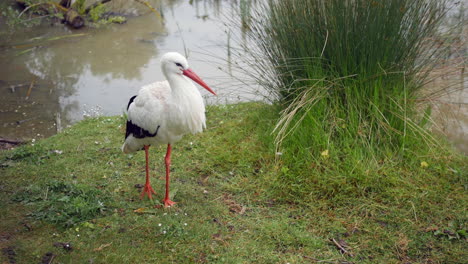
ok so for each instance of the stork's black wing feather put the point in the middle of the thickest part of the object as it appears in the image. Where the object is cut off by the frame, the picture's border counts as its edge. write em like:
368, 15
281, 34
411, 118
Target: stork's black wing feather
131, 101
135, 130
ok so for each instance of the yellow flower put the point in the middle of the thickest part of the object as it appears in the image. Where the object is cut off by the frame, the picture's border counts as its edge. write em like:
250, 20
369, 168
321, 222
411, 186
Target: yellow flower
324, 153
424, 164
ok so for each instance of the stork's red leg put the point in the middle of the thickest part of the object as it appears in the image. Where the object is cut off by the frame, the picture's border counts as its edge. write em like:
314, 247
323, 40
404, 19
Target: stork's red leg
147, 189
167, 201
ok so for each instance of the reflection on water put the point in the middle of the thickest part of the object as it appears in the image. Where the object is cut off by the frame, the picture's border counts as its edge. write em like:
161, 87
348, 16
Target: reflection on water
98, 70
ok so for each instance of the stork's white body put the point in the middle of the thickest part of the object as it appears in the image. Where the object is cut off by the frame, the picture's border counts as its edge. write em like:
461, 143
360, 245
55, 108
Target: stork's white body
173, 112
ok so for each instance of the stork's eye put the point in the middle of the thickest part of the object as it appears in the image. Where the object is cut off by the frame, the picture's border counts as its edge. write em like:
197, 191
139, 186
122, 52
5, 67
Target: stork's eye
178, 64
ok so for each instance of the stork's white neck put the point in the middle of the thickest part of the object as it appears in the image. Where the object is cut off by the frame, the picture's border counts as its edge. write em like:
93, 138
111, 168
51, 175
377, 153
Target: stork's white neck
178, 82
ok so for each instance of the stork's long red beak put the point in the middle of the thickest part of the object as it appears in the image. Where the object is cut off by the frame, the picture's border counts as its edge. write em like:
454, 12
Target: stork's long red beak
192, 75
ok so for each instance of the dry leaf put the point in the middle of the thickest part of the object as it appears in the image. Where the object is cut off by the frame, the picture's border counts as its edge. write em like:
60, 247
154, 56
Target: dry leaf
102, 247
139, 210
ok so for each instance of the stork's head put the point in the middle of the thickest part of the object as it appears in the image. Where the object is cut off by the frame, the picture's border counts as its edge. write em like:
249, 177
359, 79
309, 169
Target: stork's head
174, 63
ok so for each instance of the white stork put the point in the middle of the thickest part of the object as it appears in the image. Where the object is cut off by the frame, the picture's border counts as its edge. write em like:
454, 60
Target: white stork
163, 112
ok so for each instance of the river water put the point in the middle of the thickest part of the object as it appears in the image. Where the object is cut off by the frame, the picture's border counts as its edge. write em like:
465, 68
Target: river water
52, 76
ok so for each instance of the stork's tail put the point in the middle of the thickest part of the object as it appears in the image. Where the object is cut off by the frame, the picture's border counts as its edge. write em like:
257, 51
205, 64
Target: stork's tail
126, 148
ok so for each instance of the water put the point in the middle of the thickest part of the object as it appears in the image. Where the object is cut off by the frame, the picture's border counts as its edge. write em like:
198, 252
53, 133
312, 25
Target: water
450, 109
91, 72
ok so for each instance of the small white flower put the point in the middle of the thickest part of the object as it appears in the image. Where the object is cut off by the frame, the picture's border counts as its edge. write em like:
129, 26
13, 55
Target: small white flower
185, 224
164, 232
159, 224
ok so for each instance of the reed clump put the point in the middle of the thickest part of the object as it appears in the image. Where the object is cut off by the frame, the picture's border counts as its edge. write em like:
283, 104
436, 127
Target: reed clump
346, 74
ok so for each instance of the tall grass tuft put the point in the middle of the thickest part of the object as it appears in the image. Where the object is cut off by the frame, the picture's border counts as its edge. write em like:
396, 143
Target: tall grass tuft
346, 74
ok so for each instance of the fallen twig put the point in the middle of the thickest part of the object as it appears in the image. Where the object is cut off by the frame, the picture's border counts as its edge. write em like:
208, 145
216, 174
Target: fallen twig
341, 248
30, 88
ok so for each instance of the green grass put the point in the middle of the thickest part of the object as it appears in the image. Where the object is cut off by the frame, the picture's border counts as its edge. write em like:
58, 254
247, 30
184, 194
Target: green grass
234, 204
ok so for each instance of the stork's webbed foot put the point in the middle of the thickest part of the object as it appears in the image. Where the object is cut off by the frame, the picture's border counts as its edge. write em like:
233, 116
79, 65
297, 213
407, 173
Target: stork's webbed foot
168, 202
147, 190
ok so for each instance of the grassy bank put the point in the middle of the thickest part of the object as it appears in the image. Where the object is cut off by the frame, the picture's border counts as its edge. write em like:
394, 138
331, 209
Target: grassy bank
72, 198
